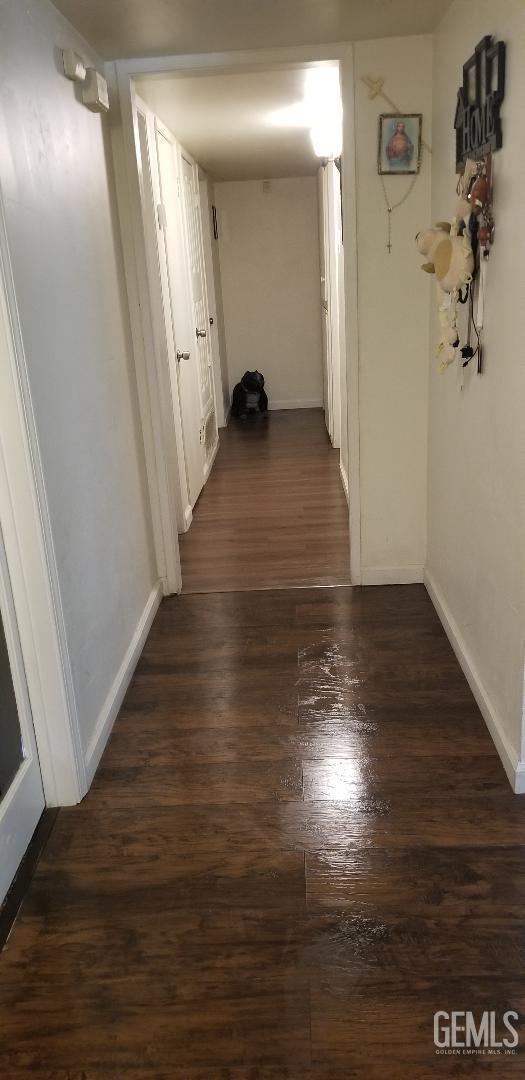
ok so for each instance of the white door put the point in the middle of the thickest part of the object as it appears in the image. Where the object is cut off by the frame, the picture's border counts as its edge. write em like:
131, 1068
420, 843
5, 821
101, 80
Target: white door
222, 392
325, 321
21, 793
201, 318
187, 353
161, 389
334, 247
330, 247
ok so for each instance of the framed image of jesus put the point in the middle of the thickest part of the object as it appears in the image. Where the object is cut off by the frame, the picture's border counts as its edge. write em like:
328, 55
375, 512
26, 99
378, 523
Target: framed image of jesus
399, 143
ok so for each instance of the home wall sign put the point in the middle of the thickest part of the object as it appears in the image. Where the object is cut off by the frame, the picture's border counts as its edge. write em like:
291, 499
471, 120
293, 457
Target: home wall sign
477, 120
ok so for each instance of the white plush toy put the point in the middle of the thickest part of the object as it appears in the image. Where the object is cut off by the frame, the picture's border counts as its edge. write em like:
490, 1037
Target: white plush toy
450, 258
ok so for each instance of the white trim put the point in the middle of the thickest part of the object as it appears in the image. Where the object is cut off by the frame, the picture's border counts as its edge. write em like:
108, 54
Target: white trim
221, 62
351, 312
514, 768
23, 801
295, 403
330, 230
188, 517
518, 785
391, 575
115, 697
344, 478
32, 564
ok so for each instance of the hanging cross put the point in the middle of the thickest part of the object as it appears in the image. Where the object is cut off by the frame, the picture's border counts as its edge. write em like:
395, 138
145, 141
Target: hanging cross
375, 89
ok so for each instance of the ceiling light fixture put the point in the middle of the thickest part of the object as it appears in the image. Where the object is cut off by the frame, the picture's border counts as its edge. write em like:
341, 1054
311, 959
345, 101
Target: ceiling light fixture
323, 100
320, 110
292, 116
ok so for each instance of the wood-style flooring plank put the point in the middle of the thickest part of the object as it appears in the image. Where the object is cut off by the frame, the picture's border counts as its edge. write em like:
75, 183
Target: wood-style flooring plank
299, 844
273, 513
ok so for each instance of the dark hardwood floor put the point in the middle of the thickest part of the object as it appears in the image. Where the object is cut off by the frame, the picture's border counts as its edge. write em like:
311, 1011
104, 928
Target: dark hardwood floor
299, 845
273, 513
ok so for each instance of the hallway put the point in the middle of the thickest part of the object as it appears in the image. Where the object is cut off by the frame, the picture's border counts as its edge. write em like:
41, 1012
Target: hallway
299, 845
273, 513
257, 822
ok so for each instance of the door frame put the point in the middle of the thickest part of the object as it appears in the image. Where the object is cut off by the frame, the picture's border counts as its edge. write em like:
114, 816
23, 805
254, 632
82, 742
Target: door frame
121, 75
23, 803
31, 563
324, 292
330, 221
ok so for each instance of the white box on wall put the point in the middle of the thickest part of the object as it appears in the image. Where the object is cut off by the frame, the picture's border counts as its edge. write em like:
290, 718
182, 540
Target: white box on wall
95, 91
74, 67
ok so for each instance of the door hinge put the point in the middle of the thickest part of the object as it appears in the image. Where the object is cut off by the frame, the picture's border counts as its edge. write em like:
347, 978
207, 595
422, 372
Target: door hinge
161, 215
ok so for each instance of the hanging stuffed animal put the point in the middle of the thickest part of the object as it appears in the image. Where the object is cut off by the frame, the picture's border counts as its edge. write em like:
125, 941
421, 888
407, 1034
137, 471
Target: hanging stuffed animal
450, 258
453, 254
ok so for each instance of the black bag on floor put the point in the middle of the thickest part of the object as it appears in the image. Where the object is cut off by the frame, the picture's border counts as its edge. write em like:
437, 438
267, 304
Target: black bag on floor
249, 395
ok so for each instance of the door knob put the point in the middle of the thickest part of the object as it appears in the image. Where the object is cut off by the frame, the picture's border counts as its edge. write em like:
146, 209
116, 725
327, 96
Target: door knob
183, 356
200, 333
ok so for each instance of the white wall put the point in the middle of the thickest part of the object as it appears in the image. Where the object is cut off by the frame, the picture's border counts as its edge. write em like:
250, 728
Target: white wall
476, 556
55, 175
269, 257
393, 322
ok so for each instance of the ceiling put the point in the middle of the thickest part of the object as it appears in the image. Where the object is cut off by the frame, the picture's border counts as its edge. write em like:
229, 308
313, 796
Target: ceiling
126, 28
225, 121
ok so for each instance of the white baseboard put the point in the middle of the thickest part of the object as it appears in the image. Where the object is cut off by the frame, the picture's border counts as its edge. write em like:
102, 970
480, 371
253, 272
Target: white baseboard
391, 575
111, 706
344, 478
295, 403
514, 768
188, 517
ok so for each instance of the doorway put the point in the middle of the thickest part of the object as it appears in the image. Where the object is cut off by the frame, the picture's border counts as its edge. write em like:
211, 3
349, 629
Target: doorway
42, 763
21, 791
212, 363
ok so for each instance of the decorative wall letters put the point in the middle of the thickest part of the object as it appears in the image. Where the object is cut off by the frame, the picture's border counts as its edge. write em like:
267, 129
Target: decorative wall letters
477, 120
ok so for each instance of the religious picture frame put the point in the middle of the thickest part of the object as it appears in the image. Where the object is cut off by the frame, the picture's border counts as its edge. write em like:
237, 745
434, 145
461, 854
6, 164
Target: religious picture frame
399, 144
